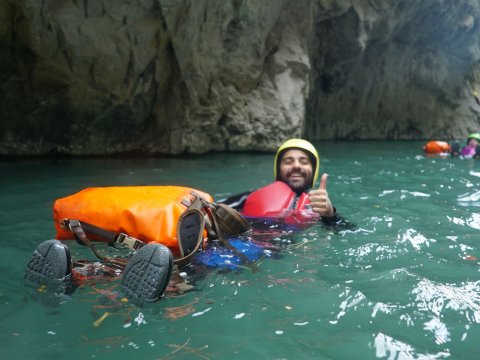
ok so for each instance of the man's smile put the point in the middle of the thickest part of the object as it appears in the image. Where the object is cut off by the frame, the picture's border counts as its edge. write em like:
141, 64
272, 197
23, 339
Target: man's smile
296, 175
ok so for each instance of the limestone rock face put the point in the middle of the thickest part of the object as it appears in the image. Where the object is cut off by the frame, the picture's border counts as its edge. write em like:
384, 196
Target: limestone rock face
169, 76
394, 69
184, 76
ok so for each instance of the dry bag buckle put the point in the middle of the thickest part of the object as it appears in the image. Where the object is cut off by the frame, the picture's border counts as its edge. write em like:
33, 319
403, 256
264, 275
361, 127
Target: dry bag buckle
128, 241
64, 224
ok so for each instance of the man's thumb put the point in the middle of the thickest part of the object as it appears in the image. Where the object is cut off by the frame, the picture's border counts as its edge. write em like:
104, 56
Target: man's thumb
323, 182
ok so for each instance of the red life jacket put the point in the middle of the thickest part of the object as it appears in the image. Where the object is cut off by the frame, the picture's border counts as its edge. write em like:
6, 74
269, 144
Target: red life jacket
277, 201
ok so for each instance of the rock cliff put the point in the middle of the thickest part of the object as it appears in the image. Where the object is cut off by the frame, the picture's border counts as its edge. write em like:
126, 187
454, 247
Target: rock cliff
394, 69
183, 76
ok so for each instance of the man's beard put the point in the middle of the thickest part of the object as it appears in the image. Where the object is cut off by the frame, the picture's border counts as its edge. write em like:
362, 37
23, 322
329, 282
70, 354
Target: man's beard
298, 185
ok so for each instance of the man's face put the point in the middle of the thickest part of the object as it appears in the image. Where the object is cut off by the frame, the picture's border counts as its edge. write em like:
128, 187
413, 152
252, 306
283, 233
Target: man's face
296, 170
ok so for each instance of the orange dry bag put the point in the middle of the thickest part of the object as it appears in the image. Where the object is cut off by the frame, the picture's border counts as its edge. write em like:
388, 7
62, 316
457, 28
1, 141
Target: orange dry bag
437, 147
147, 213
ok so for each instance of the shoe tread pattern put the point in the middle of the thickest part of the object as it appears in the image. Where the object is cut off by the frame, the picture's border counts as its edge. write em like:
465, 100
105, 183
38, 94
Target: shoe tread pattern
49, 263
147, 273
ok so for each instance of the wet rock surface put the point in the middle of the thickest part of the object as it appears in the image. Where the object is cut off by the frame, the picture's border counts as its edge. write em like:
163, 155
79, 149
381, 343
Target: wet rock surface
171, 76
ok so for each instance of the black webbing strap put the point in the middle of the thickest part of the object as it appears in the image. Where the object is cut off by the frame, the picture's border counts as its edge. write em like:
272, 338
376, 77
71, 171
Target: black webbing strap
80, 229
95, 230
78, 232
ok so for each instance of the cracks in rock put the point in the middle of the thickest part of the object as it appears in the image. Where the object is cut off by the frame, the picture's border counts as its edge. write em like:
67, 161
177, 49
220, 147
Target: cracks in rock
42, 8
268, 60
205, 15
91, 73
222, 120
234, 27
62, 42
129, 71
148, 73
169, 47
460, 56
15, 19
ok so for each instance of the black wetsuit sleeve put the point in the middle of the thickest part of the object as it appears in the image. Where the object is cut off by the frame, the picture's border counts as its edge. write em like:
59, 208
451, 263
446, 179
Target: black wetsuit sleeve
331, 220
337, 222
236, 201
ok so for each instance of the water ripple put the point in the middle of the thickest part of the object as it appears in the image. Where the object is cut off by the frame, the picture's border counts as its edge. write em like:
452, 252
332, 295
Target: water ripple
413, 237
404, 193
439, 329
437, 298
386, 346
351, 301
469, 199
473, 221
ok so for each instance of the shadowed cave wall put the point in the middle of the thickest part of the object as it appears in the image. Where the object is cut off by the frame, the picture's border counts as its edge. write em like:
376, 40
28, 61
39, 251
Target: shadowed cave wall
178, 76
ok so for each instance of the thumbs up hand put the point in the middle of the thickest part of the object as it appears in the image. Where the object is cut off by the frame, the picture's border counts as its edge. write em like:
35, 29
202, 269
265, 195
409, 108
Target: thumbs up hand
319, 199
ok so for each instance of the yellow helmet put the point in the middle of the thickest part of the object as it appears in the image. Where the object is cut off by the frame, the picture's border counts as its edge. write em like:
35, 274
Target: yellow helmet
303, 145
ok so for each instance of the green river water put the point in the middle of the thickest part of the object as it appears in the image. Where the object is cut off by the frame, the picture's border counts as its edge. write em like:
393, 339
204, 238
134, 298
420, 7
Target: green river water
404, 284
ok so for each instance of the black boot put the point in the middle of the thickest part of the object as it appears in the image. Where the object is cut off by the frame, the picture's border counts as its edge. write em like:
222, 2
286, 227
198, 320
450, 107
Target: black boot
147, 273
50, 264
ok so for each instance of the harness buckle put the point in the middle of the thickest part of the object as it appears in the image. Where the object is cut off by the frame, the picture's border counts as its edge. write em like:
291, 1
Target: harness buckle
64, 224
128, 241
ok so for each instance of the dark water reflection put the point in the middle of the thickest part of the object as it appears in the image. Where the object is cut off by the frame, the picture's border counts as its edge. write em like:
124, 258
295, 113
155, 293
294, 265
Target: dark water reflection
403, 284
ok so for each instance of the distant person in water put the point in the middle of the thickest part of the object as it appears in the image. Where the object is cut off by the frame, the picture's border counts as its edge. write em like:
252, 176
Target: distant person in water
471, 149
296, 164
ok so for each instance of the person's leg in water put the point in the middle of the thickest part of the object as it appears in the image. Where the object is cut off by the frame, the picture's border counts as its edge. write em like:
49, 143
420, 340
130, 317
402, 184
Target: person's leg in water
144, 279
148, 272
50, 264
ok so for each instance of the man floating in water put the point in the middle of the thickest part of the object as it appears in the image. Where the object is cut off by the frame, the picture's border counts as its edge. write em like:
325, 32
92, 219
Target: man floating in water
293, 194
146, 274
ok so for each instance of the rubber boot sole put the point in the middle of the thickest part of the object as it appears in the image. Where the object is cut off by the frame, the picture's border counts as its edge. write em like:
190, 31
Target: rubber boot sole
148, 272
50, 264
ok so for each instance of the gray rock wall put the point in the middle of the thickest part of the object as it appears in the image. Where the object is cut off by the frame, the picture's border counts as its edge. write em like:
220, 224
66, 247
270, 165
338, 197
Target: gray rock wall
245, 69
184, 76
170, 76
394, 69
